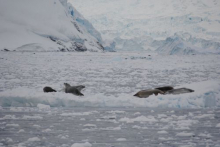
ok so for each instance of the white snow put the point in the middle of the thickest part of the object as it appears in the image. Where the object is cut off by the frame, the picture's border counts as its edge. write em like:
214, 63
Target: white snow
25, 28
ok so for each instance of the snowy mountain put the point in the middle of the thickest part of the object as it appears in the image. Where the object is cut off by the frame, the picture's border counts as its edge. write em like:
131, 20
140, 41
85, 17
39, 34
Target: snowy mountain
39, 25
149, 24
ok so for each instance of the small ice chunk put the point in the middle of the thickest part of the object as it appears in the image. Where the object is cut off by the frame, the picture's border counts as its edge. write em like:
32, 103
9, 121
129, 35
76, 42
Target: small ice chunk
205, 135
211, 116
43, 106
8, 117
142, 118
162, 132
218, 125
86, 144
182, 117
36, 126
9, 140
190, 114
137, 113
184, 134
12, 125
34, 139
89, 125
47, 130
161, 115
21, 130
111, 128
32, 117
121, 139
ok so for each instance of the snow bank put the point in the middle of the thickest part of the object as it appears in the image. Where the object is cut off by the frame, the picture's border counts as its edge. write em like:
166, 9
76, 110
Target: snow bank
40, 25
206, 95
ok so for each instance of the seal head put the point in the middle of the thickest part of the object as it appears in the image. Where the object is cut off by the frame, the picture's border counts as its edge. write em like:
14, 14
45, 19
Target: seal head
48, 89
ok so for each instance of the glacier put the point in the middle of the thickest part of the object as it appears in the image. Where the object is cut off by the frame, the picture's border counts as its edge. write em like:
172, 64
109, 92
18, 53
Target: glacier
40, 25
148, 25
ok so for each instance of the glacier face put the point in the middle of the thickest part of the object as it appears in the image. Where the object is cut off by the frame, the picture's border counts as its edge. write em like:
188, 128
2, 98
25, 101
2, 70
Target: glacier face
148, 24
40, 25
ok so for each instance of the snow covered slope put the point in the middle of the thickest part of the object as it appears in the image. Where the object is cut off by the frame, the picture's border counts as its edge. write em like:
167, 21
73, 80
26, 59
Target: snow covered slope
45, 25
148, 24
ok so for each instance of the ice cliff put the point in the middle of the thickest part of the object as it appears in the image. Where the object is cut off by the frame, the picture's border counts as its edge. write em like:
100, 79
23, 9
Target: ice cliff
45, 25
168, 27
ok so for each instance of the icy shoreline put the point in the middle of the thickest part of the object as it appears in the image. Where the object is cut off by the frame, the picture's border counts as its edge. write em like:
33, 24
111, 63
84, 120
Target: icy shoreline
111, 79
201, 98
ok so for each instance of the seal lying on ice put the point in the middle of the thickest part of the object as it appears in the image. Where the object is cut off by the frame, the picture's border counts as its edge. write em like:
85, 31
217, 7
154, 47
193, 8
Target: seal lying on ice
79, 87
148, 92
165, 88
48, 89
179, 91
74, 89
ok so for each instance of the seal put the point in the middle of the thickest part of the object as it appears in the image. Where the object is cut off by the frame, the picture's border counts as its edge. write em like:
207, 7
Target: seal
73, 89
48, 89
165, 88
148, 92
79, 87
179, 91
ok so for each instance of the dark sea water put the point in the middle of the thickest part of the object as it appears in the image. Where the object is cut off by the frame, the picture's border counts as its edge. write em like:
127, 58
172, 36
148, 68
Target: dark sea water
109, 127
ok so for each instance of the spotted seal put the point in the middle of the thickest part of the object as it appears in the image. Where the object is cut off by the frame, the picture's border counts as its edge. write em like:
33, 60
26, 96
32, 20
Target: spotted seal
74, 89
148, 92
179, 91
165, 88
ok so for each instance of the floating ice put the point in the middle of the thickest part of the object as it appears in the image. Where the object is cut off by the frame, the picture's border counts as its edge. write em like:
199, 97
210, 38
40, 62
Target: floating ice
43, 107
184, 134
33, 139
86, 144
